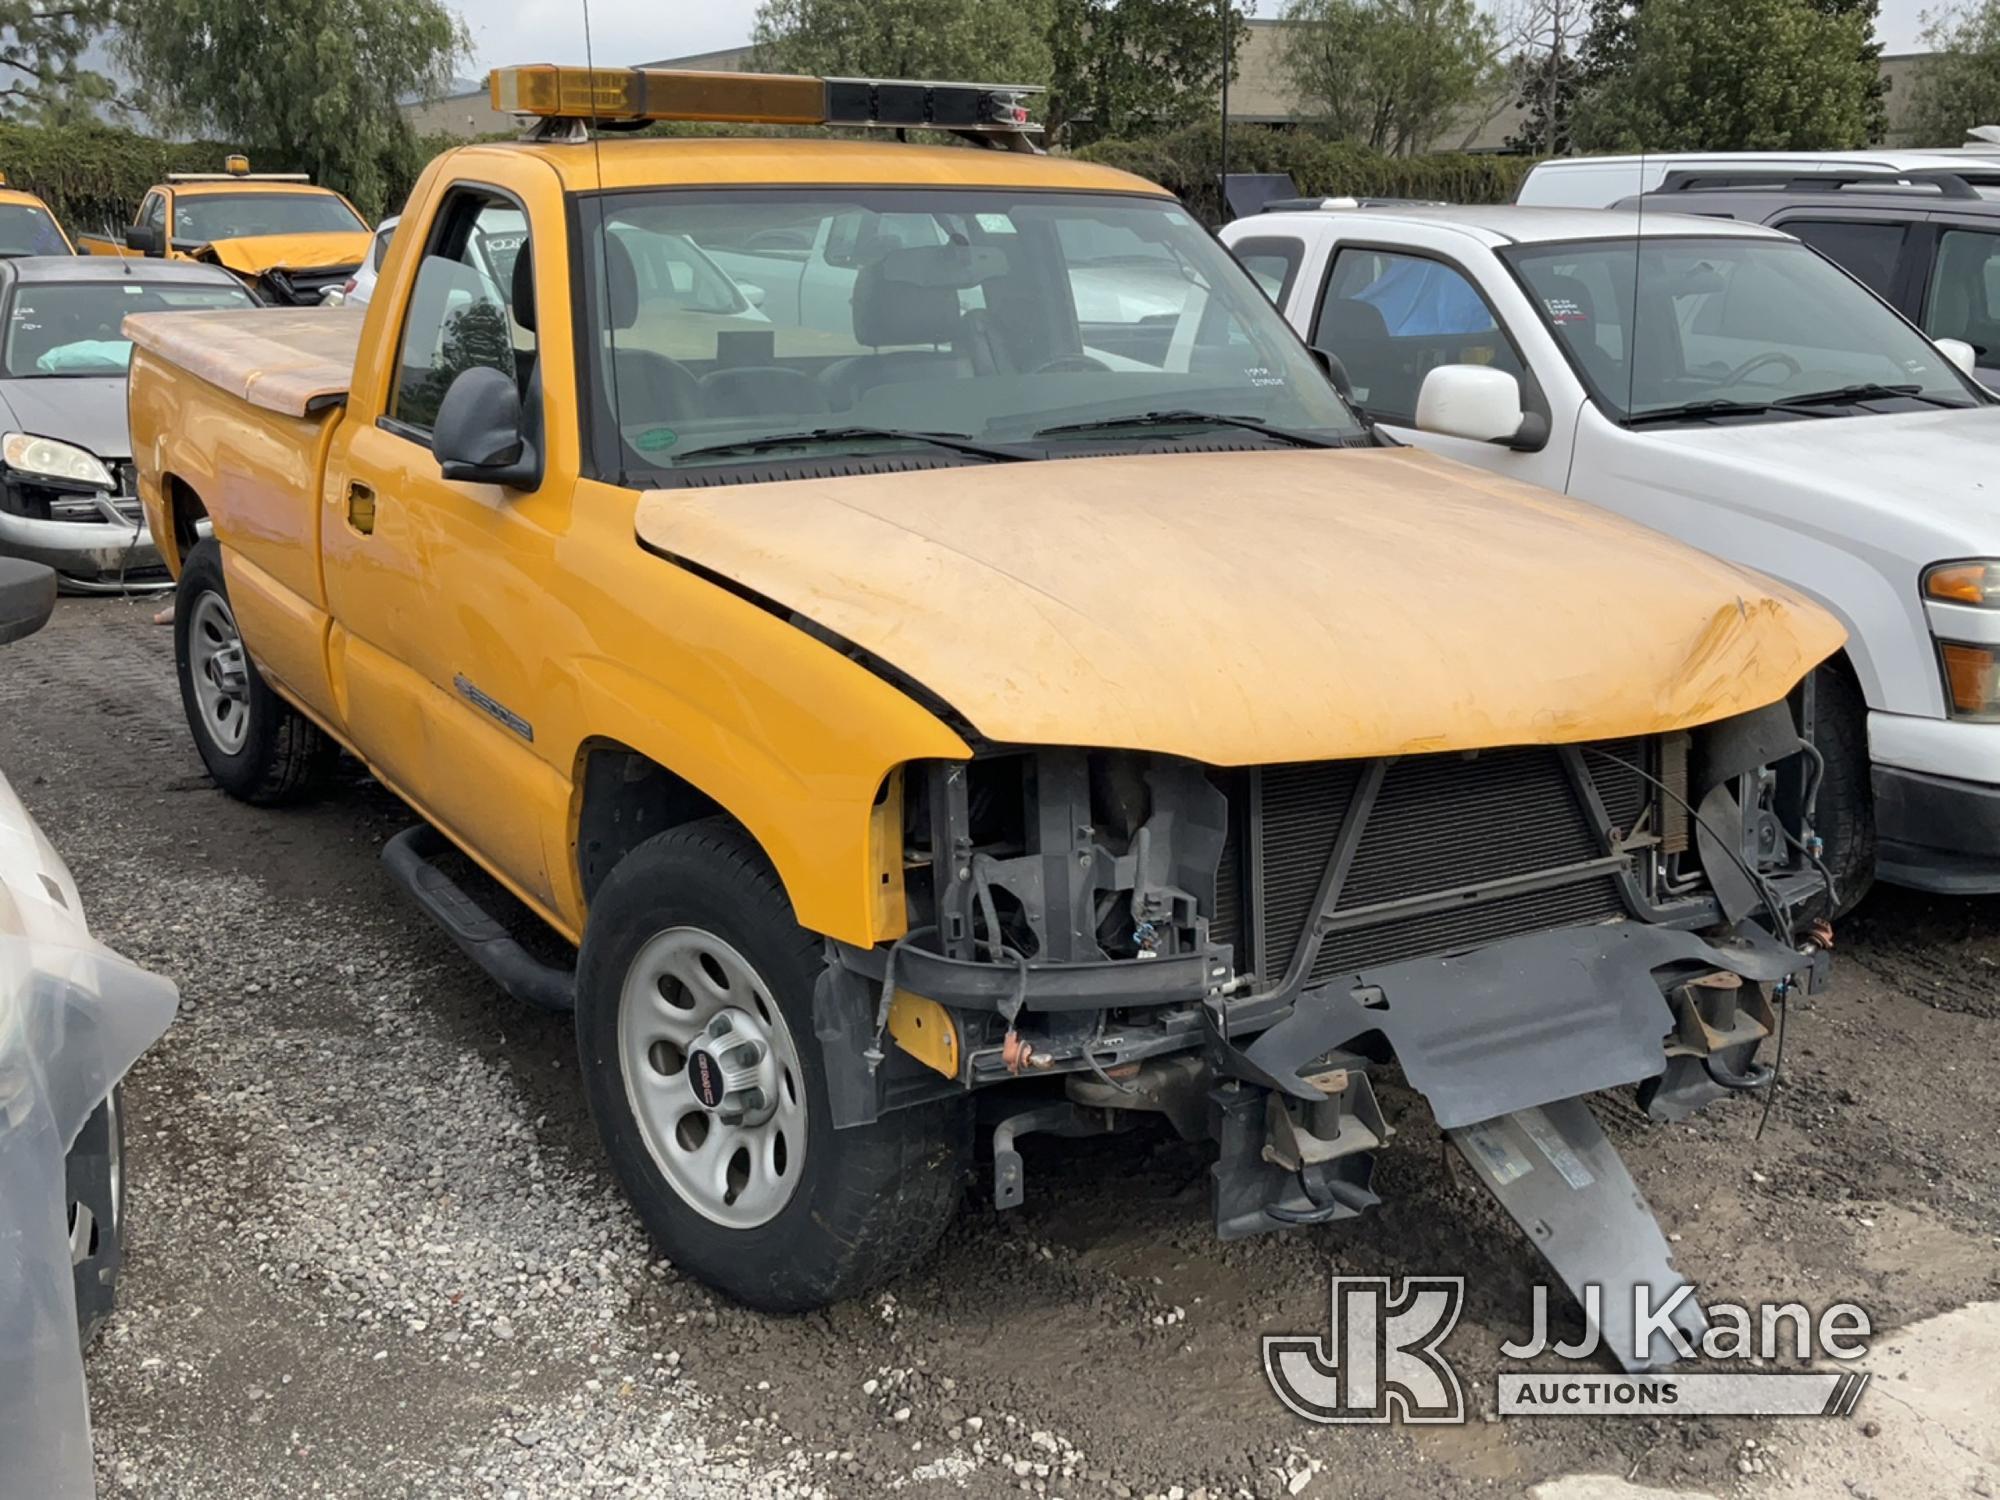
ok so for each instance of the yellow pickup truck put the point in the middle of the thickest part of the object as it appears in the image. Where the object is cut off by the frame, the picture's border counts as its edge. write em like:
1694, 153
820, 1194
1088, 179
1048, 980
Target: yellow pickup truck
28, 226
284, 238
1038, 703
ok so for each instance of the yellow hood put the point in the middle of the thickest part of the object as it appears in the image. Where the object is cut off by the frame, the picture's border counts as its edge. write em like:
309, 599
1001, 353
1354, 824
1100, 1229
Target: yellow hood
255, 255
1244, 608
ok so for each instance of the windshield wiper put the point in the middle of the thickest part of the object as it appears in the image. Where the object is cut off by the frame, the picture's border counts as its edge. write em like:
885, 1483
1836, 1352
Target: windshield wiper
1695, 410
1185, 419
956, 442
1846, 394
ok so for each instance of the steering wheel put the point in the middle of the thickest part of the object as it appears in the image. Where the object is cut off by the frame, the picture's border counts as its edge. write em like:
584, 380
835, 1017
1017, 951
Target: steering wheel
1757, 362
1071, 364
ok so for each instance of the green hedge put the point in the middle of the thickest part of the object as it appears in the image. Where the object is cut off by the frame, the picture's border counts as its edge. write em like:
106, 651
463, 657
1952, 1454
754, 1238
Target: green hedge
94, 176
1187, 161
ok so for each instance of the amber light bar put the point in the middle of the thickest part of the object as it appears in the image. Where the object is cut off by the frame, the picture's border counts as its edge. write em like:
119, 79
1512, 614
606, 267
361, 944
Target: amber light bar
626, 94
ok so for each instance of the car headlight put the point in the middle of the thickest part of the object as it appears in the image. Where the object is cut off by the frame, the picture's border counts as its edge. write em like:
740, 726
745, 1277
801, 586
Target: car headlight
1976, 582
47, 458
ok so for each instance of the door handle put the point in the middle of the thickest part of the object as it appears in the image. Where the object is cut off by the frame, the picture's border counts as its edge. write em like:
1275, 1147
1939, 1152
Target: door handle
361, 508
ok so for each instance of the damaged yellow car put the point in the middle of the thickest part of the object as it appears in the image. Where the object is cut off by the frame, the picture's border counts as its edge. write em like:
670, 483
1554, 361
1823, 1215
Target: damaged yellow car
285, 239
931, 636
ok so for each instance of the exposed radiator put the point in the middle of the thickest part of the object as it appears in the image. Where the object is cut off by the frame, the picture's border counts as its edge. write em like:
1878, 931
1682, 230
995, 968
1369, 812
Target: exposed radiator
1439, 823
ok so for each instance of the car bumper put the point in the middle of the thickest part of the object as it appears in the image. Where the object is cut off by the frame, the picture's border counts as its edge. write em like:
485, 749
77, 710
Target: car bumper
1937, 803
90, 557
1937, 833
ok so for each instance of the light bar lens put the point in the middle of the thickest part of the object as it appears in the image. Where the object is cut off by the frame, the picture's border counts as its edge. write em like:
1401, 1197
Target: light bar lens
756, 98
1976, 583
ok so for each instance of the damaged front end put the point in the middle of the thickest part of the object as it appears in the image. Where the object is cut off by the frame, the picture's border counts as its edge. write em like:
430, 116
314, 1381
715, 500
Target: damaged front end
1243, 950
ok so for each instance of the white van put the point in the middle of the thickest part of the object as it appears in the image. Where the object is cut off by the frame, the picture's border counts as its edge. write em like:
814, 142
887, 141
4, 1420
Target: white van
1600, 181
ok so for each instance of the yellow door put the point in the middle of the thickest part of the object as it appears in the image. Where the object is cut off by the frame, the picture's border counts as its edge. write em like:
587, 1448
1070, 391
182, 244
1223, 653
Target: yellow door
435, 585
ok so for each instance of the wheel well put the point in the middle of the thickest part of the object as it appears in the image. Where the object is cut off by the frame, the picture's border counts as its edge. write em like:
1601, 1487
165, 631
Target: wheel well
627, 798
184, 509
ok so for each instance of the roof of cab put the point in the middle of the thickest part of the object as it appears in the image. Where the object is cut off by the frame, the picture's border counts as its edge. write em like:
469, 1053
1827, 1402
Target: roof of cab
15, 195
657, 161
244, 185
1510, 224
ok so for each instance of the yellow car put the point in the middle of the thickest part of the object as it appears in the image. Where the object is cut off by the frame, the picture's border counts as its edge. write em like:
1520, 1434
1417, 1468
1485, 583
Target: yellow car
924, 627
286, 239
28, 226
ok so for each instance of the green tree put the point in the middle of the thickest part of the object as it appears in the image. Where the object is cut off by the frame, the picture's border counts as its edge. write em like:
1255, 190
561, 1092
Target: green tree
40, 43
1546, 68
1728, 75
974, 41
1122, 66
1958, 86
317, 82
1390, 74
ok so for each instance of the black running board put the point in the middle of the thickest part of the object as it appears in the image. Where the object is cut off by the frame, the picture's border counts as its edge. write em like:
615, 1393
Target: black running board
409, 856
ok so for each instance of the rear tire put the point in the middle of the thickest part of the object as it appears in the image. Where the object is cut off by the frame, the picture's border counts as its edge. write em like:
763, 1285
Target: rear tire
1844, 817
257, 746
692, 945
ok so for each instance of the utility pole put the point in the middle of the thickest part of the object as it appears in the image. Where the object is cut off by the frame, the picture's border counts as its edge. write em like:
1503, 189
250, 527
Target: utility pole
1222, 182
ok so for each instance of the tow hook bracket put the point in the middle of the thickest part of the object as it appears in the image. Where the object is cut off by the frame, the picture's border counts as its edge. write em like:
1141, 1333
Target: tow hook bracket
1554, 1170
1009, 1176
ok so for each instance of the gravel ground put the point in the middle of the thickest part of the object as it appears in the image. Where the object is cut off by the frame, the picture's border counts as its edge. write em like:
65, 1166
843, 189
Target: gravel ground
375, 1252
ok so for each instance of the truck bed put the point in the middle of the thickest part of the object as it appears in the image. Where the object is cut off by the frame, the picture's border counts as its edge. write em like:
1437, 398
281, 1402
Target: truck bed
295, 361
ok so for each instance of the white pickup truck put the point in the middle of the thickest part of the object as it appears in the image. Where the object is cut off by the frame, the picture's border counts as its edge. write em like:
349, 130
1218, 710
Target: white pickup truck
1762, 405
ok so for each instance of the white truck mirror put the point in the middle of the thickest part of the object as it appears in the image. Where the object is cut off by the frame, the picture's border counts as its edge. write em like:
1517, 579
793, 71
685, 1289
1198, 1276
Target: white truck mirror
1471, 401
1959, 353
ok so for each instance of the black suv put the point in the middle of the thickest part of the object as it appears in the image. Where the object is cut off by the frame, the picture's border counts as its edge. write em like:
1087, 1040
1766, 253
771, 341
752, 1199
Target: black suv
1927, 242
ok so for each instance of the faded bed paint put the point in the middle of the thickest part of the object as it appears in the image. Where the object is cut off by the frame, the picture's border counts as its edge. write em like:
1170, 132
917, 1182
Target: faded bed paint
286, 360
1239, 608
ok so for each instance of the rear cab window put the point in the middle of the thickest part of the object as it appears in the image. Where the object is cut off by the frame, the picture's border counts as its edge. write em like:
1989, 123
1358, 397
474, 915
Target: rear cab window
1870, 250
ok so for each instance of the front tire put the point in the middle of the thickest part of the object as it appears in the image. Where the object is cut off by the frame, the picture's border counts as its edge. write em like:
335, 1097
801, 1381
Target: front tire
257, 746
1844, 816
695, 1031
95, 1174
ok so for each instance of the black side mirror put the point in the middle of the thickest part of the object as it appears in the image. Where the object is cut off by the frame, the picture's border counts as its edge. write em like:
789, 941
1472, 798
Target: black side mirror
479, 436
27, 597
146, 239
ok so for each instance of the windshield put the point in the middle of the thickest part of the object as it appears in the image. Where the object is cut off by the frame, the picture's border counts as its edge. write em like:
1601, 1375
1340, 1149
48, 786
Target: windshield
26, 230
72, 328
236, 216
730, 318
1742, 321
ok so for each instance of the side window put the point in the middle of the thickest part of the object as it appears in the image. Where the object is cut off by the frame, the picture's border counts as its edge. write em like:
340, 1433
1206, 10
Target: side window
154, 213
1868, 252
461, 312
1391, 319
1964, 297
1273, 263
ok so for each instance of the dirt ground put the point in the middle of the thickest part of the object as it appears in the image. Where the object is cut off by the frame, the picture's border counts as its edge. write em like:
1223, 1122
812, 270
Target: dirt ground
375, 1252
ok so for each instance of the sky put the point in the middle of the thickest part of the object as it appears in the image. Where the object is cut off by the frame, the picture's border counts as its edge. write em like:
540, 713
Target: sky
632, 31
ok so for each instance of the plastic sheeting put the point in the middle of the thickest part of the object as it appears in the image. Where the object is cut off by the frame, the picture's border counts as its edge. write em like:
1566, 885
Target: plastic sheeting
73, 1017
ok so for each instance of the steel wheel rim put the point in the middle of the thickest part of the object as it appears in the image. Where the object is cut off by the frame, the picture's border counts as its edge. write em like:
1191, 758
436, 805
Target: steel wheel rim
681, 983
219, 672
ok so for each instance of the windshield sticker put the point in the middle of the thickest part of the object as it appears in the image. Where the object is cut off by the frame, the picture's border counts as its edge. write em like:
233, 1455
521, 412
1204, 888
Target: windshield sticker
1262, 375
1565, 310
656, 439
995, 223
